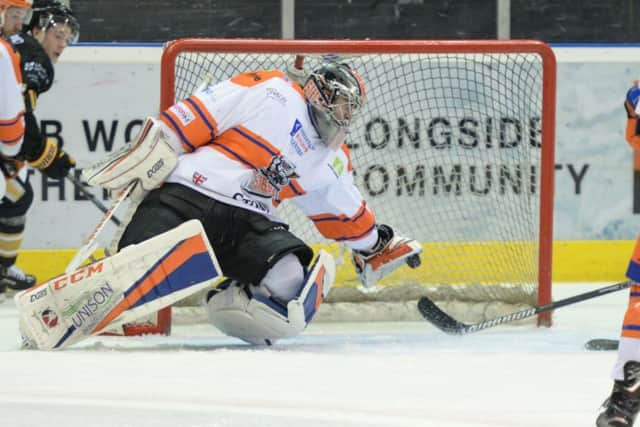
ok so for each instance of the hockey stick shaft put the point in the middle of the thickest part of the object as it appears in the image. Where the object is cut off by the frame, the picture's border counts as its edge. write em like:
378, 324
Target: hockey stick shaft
448, 324
91, 243
81, 188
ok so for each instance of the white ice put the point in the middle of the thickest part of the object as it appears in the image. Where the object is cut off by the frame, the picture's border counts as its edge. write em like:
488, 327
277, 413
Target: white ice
359, 374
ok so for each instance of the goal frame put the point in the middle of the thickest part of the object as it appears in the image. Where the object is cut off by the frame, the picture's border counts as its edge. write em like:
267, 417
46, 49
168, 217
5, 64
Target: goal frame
269, 46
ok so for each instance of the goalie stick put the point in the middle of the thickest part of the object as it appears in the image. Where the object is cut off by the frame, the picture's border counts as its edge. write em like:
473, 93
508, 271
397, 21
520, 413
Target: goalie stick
91, 244
80, 186
431, 312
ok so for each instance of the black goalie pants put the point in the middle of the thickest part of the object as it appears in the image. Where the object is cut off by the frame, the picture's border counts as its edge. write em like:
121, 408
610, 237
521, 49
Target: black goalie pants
247, 244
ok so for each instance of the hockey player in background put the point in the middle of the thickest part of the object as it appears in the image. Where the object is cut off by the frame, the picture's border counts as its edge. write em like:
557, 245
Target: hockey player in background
11, 102
221, 161
17, 14
621, 407
50, 29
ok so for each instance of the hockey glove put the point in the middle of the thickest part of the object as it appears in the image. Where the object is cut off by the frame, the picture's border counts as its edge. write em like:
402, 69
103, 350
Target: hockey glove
54, 162
389, 253
631, 101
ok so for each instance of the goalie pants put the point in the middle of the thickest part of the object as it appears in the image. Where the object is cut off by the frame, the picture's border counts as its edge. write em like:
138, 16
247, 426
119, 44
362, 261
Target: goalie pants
246, 243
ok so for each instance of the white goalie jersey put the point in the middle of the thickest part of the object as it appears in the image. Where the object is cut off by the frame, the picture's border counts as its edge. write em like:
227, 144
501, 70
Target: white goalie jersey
11, 102
250, 142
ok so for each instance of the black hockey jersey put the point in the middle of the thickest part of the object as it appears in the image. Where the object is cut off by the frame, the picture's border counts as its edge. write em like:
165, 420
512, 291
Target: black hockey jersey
37, 68
37, 78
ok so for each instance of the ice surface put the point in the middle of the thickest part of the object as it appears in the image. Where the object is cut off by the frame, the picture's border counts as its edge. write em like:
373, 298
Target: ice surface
358, 374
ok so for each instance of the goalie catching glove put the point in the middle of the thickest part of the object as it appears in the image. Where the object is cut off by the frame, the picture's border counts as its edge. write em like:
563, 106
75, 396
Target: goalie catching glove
389, 253
148, 158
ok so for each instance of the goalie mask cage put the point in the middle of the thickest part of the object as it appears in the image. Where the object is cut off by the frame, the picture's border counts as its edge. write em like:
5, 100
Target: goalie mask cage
454, 147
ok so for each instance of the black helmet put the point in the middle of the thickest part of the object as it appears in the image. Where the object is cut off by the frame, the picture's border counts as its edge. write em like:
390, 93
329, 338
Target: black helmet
49, 13
336, 94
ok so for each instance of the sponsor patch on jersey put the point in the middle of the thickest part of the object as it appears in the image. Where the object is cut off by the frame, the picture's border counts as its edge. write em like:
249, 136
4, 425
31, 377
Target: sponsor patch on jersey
182, 113
300, 142
337, 166
16, 39
209, 92
274, 94
251, 203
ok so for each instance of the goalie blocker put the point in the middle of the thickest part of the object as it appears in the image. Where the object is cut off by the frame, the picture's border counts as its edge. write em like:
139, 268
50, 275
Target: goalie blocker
139, 280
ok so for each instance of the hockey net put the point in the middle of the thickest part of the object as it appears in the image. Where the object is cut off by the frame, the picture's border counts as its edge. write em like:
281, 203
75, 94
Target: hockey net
454, 148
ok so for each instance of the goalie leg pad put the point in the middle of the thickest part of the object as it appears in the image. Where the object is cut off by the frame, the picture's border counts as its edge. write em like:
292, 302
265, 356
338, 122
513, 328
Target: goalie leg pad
259, 319
139, 280
149, 158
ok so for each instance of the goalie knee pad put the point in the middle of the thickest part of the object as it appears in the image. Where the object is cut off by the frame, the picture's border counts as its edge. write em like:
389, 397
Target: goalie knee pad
261, 319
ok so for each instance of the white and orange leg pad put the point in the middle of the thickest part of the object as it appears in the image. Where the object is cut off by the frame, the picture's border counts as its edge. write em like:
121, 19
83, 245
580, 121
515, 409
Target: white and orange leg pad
139, 280
260, 320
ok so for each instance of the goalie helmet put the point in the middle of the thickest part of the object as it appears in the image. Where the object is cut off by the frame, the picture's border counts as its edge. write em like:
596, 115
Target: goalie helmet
336, 94
51, 13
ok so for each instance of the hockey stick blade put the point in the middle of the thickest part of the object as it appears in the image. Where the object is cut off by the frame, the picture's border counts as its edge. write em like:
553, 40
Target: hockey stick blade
449, 325
602, 344
431, 312
439, 318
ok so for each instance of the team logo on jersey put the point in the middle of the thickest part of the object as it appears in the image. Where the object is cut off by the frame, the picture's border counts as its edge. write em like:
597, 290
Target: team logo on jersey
198, 179
300, 142
183, 113
267, 182
49, 318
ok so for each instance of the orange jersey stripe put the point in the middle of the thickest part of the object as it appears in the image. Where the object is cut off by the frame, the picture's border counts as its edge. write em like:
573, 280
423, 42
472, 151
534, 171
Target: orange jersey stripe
343, 227
292, 190
192, 122
632, 138
248, 148
12, 130
631, 322
202, 112
185, 250
635, 255
256, 77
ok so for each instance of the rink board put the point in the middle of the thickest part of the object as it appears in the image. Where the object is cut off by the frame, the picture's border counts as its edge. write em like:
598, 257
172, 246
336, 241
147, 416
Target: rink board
573, 261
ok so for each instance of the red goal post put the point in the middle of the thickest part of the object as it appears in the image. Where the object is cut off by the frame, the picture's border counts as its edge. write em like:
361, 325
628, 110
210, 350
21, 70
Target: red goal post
477, 184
